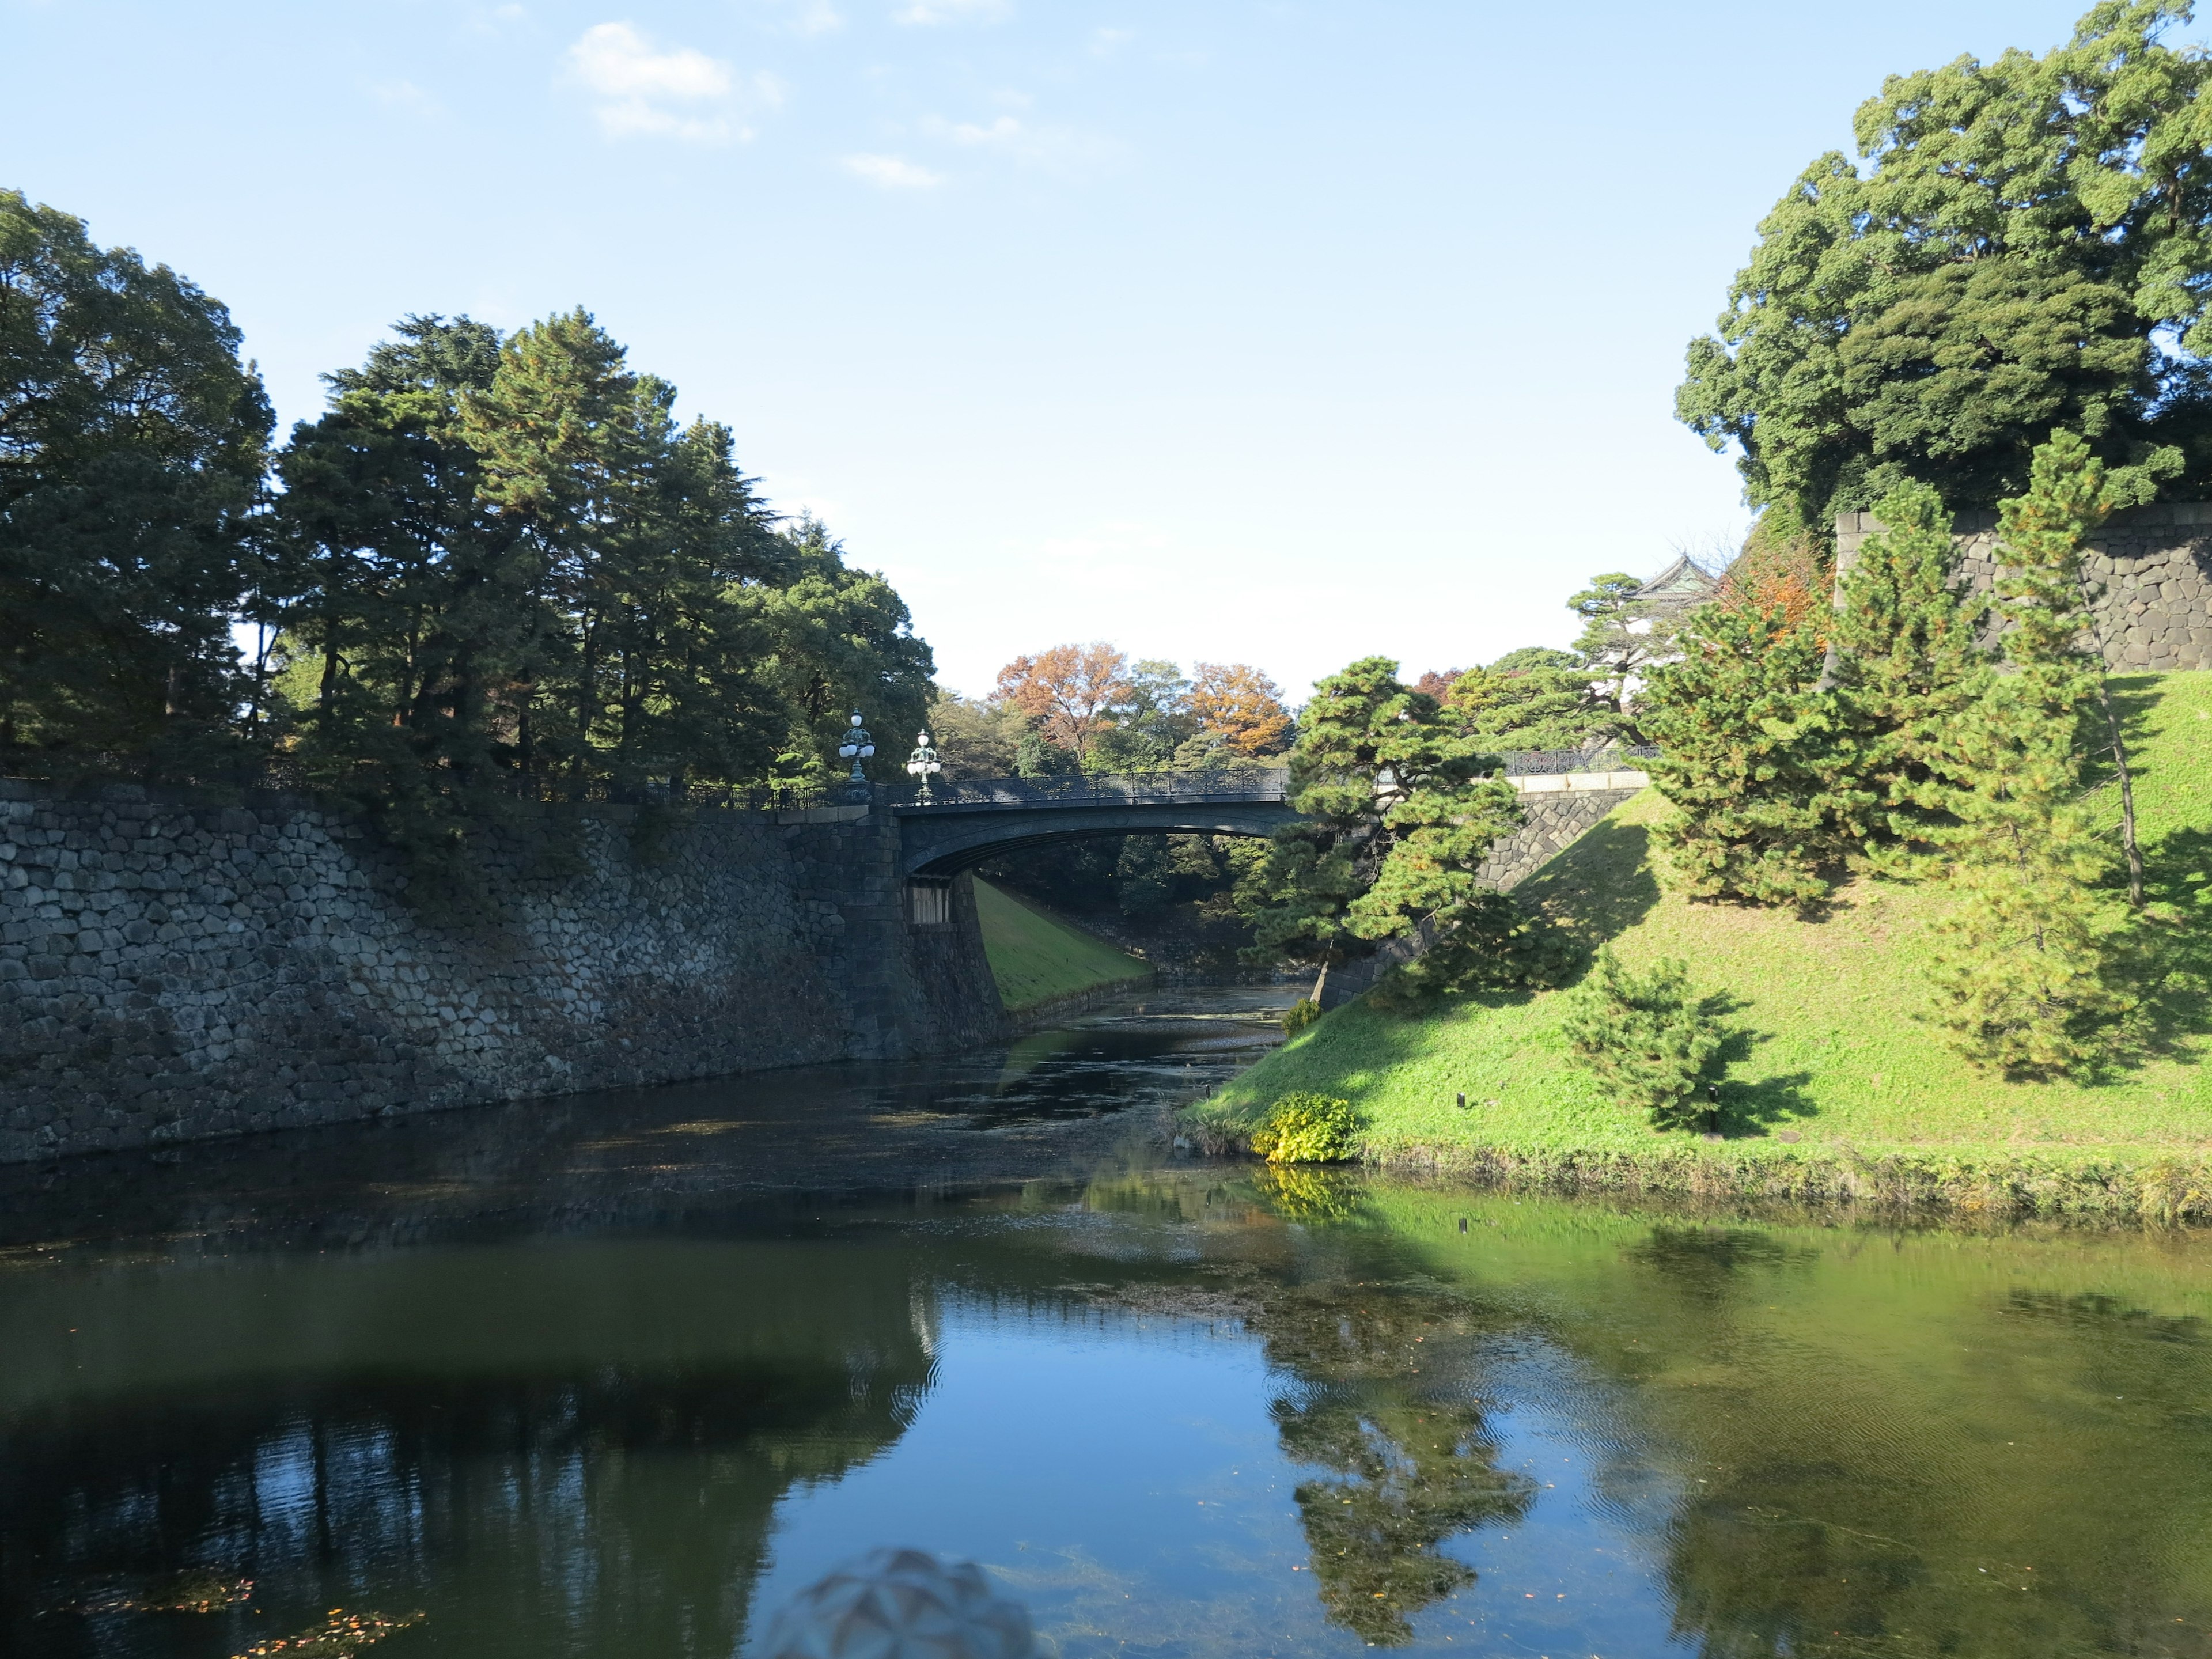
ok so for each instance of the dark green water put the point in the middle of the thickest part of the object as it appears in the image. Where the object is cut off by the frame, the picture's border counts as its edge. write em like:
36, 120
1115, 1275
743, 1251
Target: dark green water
604, 1380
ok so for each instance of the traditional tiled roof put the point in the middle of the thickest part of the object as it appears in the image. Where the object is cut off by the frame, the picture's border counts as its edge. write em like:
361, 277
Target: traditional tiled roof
1680, 585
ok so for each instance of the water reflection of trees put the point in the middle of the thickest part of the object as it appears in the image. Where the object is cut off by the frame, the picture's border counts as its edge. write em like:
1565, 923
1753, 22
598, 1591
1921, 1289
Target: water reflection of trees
1406, 1476
385, 1443
1930, 1465
1353, 1326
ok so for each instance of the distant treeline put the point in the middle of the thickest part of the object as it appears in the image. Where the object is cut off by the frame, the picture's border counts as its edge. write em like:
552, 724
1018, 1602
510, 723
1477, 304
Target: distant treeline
494, 568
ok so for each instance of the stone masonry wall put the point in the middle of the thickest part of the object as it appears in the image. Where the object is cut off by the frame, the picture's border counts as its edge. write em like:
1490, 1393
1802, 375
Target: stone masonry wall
2154, 564
171, 972
1556, 812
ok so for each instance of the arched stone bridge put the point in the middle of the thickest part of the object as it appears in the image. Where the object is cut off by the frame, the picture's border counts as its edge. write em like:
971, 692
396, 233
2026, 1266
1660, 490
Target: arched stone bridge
968, 822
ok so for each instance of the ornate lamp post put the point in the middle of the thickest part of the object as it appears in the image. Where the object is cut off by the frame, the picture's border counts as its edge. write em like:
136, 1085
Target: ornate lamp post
857, 747
923, 763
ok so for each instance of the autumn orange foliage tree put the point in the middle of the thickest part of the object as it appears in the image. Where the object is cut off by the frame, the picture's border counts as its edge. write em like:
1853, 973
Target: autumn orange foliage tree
1242, 705
1071, 691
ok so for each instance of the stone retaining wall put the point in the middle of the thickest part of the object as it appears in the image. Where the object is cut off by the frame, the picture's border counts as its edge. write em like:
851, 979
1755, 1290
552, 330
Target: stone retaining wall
2154, 564
1558, 809
171, 971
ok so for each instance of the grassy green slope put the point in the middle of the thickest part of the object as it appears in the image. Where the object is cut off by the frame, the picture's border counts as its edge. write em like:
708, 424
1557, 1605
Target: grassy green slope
1835, 1053
1036, 958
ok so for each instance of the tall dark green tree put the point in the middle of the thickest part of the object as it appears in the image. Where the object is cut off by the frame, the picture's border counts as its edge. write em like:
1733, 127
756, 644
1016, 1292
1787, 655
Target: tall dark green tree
1399, 810
1907, 664
409, 607
2025, 249
132, 444
568, 439
1748, 752
509, 574
837, 640
2038, 970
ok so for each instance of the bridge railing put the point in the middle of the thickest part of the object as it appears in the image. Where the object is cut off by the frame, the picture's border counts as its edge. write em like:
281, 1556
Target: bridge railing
1537, 763
1270, 783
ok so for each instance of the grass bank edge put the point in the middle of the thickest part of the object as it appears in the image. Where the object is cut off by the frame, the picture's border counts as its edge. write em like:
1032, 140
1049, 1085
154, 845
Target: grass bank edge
1876, 1109
1039, 959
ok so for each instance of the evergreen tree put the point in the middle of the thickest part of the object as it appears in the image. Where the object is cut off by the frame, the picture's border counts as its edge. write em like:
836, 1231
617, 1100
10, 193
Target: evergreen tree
1646, 1036
132, 447
1907, 666
406, 605
838, 640
510, 575
2033, 965
1622, 638
1748, 751
2022, 249
568, 438
1397, 814
1541, 705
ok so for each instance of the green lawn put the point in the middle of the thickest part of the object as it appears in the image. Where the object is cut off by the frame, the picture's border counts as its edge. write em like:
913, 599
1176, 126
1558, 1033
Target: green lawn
1835, 1070
1037, 959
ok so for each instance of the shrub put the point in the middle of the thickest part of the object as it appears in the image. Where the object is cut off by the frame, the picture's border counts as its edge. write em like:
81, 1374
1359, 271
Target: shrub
1299, 1014
1302, 1129
1646, 1036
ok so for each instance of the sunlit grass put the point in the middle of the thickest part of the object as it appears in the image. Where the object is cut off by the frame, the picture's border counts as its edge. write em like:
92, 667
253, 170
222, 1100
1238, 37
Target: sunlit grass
1834, 1053
1037, 959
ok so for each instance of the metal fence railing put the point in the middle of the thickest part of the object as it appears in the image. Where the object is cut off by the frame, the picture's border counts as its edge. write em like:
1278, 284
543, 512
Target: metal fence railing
266, 776
1269, 783
1228, 784
1532, 762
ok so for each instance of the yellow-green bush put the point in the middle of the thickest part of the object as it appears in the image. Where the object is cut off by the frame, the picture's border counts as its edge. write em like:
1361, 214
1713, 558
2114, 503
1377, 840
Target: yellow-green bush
1299, 1014
1302, 1129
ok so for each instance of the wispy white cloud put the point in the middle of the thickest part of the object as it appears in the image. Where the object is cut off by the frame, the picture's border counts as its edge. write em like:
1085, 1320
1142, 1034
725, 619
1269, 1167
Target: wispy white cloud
1104, 43
928, 12
680, 93
1050, 147
1003, 131
892, 172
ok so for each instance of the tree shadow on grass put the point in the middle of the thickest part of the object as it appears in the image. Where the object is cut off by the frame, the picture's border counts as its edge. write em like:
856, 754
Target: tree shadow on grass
1752, 1107
1599, 888
2134, 696
2178, 968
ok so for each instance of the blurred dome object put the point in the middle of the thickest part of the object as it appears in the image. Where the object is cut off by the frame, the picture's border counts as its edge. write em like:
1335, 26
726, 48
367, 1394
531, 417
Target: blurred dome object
901, 1604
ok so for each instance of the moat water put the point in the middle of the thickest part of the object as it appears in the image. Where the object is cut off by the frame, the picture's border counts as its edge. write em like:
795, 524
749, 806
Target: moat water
619, 1375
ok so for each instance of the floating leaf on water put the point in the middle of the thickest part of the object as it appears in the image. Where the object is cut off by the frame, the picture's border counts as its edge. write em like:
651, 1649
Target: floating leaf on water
343, 1633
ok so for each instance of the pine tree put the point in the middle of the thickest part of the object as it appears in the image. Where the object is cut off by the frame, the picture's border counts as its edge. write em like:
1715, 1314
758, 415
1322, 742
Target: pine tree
1907, 665
1398, 813
1646, 1036
404, 603
1542, 705
568, 437
2032, 967
1747, 752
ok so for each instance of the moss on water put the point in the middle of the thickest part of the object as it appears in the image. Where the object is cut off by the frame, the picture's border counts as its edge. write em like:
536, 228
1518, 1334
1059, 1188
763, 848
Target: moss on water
1837, 1085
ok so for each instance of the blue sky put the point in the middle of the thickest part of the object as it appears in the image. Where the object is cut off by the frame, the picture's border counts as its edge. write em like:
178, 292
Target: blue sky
1281, 333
